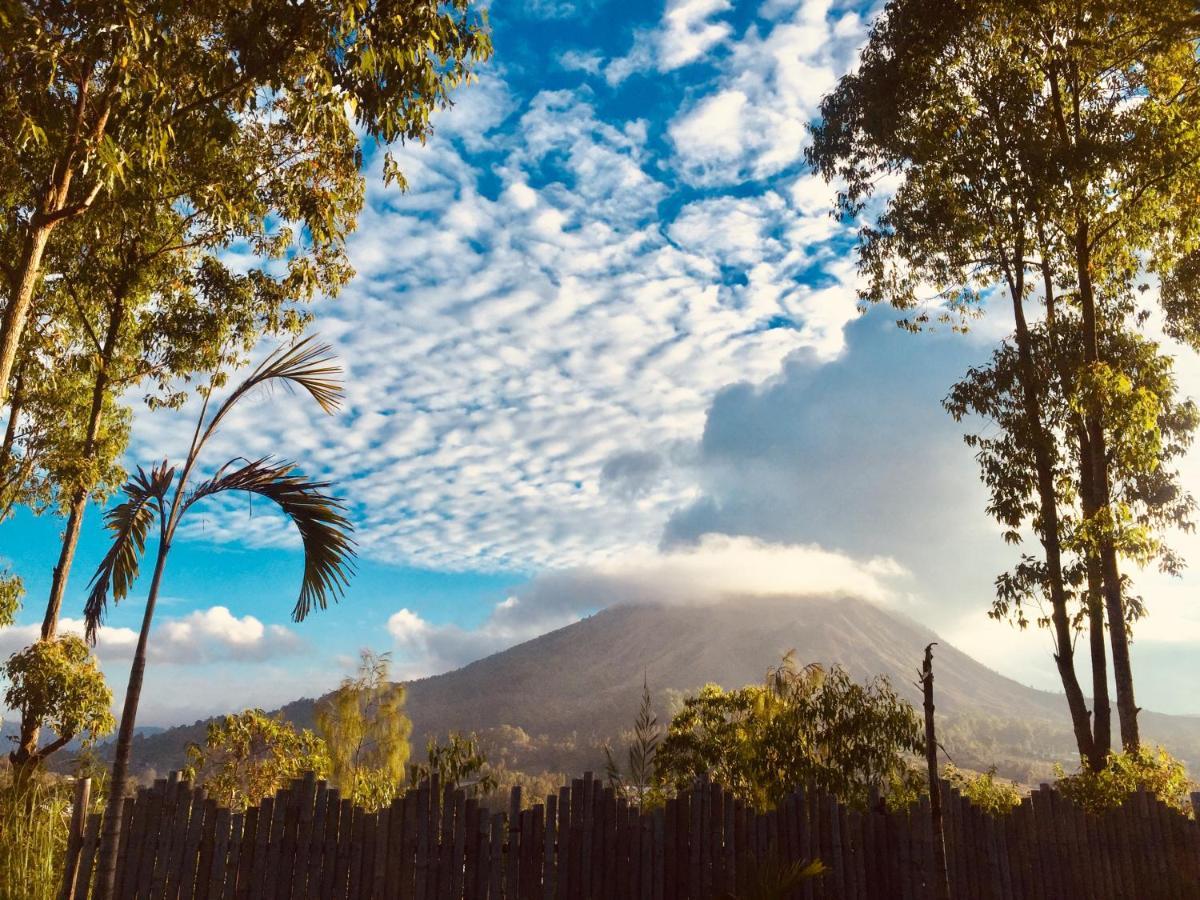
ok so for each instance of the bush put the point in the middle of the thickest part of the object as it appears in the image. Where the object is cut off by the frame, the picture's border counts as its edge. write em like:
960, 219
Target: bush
984, 790
1155, 771
35, 820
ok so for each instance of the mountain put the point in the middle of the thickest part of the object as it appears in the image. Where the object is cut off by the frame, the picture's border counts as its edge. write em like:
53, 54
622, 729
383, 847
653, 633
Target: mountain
548, 704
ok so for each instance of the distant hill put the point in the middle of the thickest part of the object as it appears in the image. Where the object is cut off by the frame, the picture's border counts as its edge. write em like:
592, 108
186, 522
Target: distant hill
549, 703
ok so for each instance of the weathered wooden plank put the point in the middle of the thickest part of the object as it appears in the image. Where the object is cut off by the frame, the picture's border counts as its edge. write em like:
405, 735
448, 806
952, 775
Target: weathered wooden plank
496, 856
198, 812
208, 836
423, 840
79, 804
124, 836
358, 837
173, 798
329, 886
541, 865
471, 818
512, 858
214, 872
409, 839
683, 850
562, 864
150, 839
87, 857
550, 850
297, 856
483, 874
237, 825
459, 847
395, 848
246, 857
135, 845
347, 812
379, 851
314, 850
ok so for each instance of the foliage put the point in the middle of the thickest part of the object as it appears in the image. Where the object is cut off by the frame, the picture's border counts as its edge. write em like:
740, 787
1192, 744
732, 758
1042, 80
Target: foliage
160, 496
459, 762
802, 726
1039, 147
163, 496
245, 117
636, 783
12, 589
772, 877
1153, 771
35, 821
249, 756
365, 728
984, 789
58, 685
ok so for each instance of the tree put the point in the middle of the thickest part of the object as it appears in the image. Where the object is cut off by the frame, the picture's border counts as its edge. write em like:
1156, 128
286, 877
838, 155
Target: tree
365, 728
637, 781
458, 763
162, 496
244, 114
133, 304
1154, 771
250, 756
12, 589
1000, 180
57, 685
984, 789
802, 726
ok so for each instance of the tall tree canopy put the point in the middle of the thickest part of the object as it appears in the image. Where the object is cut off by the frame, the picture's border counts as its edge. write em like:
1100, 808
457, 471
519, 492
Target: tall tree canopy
244, 114
1048, 149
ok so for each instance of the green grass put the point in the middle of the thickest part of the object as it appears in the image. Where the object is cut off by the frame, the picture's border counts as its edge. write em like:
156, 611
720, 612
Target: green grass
33, 838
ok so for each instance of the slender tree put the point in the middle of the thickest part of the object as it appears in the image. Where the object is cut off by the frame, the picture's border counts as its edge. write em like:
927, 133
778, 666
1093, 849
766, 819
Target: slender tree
163, 496
364, 726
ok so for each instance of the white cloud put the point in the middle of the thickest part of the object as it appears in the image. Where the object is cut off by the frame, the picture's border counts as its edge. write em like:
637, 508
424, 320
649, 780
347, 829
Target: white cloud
686, 34
503, 346
753, 126
717, 569
204, 635
589, 61
688, 31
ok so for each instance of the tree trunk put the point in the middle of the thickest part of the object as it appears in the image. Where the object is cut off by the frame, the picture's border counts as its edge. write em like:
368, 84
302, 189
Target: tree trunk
1064, 655
106, 866
941, 876
1118, 631
1102, 719
12, 325
26, 752
79, 498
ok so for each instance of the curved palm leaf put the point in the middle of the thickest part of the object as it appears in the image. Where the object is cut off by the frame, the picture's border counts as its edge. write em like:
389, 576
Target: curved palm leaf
324, 530
129, 522
305, 364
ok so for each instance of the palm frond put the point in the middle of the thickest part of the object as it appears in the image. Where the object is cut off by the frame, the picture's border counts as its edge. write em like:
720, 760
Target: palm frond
129, 522
324, 530
305, 364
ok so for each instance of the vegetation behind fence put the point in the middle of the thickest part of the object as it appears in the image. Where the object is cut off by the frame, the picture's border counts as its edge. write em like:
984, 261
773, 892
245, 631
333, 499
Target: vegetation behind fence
586, 842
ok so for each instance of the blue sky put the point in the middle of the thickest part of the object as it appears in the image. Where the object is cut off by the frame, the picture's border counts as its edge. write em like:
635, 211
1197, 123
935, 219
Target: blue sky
605, 348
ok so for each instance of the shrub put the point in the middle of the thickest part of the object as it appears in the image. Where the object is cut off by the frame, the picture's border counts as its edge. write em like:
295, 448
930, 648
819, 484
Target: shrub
984, 790
35, 819
1155, 771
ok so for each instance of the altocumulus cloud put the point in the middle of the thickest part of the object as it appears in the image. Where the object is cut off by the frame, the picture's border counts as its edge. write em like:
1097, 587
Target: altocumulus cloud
552, 296
715, 570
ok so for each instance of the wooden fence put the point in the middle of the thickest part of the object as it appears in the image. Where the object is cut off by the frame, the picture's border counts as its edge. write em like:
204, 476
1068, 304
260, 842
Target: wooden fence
307, 842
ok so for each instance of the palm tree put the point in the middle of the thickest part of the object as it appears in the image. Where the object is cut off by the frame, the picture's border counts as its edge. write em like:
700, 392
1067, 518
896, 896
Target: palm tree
162, 496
